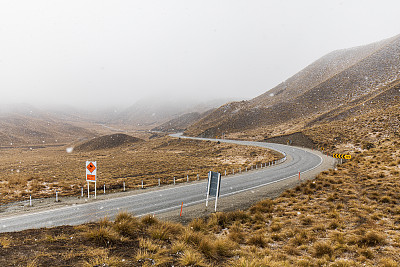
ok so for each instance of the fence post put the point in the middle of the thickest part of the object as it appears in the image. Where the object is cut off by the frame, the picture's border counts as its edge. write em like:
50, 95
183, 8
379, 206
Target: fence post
30, 200
174, 180
187, 178
124, 185
56, 196
159, 182
104, 188
142, 184
82, 191
198, 177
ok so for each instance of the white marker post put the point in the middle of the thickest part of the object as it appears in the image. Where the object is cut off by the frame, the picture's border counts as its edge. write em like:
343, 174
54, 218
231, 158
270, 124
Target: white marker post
208, 188
217, 195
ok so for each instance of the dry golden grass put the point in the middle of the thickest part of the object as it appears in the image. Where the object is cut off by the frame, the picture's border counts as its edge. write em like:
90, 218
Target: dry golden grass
349, 216
40, 172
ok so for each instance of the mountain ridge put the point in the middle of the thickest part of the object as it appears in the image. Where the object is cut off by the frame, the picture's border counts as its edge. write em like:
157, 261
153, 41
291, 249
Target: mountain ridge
371, 72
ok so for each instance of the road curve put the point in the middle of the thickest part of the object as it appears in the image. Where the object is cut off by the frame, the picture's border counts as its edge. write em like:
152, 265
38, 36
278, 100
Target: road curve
169, 198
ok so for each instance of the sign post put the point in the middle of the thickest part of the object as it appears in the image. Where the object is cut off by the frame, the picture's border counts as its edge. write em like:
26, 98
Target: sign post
213, 187
91, 175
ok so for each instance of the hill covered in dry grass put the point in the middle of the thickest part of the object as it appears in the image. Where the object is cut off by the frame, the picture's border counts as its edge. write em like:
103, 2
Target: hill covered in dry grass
107, 142
23, 125
340, 79
349, 216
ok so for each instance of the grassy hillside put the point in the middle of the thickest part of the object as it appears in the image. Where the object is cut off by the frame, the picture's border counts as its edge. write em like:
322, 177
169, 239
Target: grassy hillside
346, 217
333, 82
40, 171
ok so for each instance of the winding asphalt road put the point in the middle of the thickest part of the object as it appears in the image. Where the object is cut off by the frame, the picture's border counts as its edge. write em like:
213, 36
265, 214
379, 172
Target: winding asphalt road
170, 197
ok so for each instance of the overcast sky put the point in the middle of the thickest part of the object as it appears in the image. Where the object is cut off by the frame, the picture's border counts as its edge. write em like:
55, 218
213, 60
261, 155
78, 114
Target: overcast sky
114, 52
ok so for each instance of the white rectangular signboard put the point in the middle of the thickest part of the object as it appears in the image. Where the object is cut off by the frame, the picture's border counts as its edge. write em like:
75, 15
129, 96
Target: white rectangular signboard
91, 170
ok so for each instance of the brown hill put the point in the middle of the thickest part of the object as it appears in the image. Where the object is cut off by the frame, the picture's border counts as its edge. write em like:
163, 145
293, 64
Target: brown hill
152, 112
340, 79
107, 142
182, 122
24, 125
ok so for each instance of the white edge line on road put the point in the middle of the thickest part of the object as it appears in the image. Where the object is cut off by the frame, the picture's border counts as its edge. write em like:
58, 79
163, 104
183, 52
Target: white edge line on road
233, 193
161, 190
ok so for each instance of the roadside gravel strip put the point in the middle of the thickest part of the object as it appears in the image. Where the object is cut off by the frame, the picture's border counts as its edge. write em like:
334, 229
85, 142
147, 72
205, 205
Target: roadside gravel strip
237, 192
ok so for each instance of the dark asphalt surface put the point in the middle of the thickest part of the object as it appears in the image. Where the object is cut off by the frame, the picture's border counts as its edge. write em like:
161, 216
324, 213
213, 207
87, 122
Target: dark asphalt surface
166, 199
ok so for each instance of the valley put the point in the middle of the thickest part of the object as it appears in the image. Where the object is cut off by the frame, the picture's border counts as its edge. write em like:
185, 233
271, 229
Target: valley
347, 102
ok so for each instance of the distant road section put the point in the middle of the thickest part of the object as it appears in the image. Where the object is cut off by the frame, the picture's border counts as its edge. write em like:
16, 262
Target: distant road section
170, 197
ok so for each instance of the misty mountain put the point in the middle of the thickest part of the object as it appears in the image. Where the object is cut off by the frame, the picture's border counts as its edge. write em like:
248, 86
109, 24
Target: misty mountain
23, 124
338, 81
180, 123
152, 112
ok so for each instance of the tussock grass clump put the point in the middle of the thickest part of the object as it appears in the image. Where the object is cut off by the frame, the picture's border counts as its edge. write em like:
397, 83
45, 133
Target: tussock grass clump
165, 231
225, 247
236, 233
307, 220
103, 261
192, 258
149, 220
105, 236
388, 262
371, 239
322, 248
126, 228
198, 225
192, 238
264, 206
257, 239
